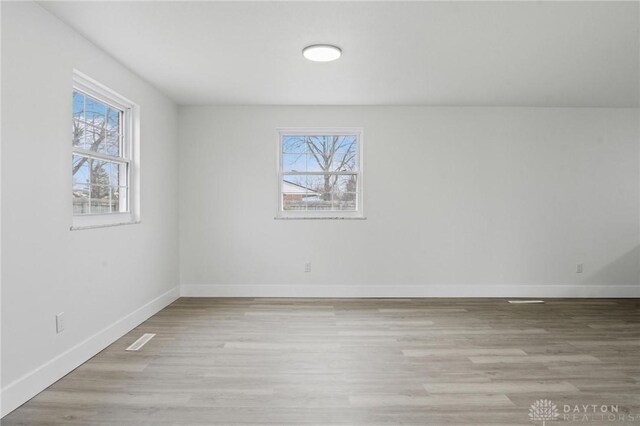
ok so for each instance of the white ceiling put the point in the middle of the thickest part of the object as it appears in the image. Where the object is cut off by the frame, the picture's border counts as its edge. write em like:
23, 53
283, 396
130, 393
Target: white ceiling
394, 53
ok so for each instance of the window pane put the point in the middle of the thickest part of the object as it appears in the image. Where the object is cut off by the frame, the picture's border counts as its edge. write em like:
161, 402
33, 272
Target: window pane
344, 157
94, 138
293, 201
80, 198
294, 162
113, 120
96, 126
319, 201
94, 111
101, 173
296, 193
317, 183
107, 173
80, 169
331, 183
346, 183
78, 134
98, 186
112, 144
112, 168
294, 144
295, 183
119, 199
106, 199
319, 153
78, 106
344, 192
320, 192
97, 199
316, 163
343, 201
100, 199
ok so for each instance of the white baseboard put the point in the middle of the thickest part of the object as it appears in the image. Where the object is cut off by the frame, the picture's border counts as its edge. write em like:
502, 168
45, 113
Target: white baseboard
391, 291
26, 387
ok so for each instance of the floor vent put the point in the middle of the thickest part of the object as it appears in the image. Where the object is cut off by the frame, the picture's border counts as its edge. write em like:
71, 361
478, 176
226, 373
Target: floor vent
525, 302
140, 342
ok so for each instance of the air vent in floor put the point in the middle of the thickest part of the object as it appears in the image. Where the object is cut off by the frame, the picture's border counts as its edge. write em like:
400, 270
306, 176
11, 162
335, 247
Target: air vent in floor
135, 346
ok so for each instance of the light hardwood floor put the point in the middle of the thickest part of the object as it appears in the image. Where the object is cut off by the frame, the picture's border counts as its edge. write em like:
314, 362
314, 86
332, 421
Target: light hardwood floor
356, 361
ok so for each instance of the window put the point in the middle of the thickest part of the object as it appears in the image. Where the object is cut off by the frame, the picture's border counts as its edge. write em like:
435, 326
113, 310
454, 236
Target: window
320, 173
103, 156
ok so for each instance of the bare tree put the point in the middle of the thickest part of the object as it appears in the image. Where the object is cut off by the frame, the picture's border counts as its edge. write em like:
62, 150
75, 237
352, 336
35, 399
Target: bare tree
79, 131
332, 153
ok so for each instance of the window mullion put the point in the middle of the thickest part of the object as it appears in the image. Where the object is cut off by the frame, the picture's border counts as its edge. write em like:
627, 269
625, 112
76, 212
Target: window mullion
352, 173
102, 157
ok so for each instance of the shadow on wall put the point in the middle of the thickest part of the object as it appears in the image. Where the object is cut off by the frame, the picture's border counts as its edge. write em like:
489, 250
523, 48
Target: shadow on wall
623, 271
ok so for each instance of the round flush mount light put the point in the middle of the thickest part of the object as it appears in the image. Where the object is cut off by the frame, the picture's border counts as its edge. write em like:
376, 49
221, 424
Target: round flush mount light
321, 52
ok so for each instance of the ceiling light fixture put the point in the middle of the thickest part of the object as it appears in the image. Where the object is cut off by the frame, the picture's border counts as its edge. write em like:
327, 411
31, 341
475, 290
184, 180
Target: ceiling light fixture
321, 52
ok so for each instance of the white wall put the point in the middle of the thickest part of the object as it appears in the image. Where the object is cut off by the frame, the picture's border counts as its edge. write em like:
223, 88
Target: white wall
459, 202
105, 280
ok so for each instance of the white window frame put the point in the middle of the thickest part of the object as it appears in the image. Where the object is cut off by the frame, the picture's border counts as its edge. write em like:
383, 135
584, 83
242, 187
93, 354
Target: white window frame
310, 214
130, 151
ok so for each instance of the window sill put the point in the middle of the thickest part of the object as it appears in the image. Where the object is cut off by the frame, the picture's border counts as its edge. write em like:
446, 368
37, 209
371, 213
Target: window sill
320, 218
102, 221
108, 225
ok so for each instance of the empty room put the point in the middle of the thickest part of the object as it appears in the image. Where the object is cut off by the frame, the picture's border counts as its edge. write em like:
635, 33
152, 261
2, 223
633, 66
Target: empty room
320, 213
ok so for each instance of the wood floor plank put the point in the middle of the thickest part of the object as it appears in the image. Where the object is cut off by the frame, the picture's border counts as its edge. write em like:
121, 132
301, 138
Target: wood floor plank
462, 352
533, 359
515, 386
440, 401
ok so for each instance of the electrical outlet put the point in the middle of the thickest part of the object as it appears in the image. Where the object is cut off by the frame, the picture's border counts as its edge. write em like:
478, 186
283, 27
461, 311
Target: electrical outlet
60, 322
307, 267
579, 268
